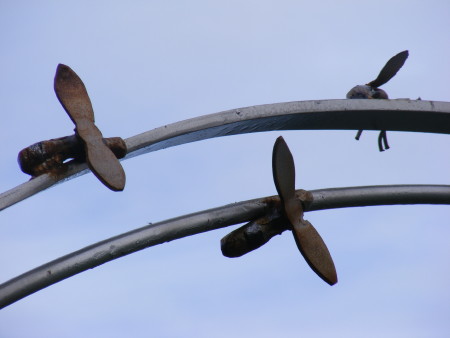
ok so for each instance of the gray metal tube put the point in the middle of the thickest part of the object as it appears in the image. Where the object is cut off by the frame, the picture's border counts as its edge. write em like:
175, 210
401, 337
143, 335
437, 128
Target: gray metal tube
400, 115
379, 195
127, 243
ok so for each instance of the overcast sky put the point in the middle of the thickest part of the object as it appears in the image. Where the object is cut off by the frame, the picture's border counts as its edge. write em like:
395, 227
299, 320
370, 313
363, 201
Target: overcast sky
149, 63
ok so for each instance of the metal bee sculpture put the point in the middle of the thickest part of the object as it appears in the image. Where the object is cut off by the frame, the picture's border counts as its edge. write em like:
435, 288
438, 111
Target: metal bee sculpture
87, 144
371, 90
287, 215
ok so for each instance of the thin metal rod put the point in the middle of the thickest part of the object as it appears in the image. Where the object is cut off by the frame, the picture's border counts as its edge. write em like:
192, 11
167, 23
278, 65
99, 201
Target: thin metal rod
399, 115
158, 233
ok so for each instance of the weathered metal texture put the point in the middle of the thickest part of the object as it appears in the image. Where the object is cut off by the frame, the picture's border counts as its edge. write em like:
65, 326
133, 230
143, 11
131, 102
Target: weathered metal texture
73, 96
308, 240
400, 115
158, 233
371, 90
51, 156
256, 233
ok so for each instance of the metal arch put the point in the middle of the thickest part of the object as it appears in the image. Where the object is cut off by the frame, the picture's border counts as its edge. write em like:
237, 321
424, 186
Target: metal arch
158, 233
399, 115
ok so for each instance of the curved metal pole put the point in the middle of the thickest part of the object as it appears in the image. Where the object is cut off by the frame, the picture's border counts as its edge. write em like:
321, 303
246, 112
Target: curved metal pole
158, 233
399, 115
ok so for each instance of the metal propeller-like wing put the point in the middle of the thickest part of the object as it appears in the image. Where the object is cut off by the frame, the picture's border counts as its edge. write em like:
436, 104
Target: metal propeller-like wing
284, 177
308, 240
73, 96
371, 90
390, 69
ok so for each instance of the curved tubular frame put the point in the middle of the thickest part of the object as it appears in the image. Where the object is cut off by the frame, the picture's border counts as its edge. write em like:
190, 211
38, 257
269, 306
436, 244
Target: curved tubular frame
158, 233
399, 115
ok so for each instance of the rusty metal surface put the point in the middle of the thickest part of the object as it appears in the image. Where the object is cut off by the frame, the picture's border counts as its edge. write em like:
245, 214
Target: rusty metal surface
51, 156
371, 90
236, 213
308, 240
73, 96
283, 170
255, 234
400, 115
285, 214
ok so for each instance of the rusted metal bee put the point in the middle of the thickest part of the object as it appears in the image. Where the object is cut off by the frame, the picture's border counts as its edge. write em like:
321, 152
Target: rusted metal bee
87, 144
284, 214
371, 90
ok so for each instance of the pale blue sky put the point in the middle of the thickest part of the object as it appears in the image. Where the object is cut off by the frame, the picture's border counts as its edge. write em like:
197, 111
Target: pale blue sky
148, 63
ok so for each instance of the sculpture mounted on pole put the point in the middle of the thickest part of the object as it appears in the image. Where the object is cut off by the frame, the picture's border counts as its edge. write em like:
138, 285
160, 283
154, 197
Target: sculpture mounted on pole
371, 90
